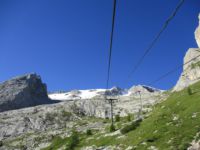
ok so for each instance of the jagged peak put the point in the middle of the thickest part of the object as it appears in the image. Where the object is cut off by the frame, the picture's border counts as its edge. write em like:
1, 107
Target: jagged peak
144, 88
23, 77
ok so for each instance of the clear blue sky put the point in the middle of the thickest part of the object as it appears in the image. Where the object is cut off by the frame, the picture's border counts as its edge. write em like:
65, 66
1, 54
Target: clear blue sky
67, 41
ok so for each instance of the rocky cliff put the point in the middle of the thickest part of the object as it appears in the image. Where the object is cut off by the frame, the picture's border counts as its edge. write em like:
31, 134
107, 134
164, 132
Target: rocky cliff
191, 69
22, 91
197, 33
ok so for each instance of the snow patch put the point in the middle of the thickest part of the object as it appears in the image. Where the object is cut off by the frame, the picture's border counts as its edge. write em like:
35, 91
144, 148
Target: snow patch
80, 94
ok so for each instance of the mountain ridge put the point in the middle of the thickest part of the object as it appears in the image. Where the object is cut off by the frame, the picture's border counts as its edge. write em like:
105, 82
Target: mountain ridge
92, 93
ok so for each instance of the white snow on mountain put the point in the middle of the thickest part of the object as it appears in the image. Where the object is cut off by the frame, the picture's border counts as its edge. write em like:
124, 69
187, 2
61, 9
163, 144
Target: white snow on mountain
77, 94
91, 93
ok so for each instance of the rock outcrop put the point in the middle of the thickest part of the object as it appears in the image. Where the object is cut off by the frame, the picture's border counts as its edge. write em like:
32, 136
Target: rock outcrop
23, 91
143, 89
191, 69
197, 33
195, 145
114, 91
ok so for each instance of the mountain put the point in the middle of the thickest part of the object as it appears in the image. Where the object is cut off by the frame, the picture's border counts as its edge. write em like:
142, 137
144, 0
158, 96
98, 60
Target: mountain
191, 69
93, 102
77, 94
35, 127
23, 91
96, 93
86, 94
144, 89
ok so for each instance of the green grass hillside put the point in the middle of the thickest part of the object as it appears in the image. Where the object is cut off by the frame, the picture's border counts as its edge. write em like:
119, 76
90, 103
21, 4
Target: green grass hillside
171, 125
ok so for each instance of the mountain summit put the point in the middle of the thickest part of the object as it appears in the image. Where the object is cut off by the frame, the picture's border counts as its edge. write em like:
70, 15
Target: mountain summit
23, 91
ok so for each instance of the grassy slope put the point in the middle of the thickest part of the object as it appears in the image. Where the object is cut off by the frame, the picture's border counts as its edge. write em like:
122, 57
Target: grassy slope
171, 125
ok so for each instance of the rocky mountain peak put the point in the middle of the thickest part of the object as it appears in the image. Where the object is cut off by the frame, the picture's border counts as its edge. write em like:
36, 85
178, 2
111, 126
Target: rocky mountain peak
22, 91
115, 91
143, 89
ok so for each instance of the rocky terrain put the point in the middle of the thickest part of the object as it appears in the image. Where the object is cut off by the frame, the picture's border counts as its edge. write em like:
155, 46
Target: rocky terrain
23, 91
34, 127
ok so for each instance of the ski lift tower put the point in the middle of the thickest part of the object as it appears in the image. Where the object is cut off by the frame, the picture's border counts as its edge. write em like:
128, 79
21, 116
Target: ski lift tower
111, 99
141, 105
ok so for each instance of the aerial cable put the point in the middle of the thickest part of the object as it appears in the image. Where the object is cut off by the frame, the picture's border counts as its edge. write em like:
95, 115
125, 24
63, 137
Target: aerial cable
172, 71
166, 23
111, 43
111, 100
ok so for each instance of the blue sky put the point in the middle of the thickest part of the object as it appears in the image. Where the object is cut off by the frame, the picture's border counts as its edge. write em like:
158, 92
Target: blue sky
67, 41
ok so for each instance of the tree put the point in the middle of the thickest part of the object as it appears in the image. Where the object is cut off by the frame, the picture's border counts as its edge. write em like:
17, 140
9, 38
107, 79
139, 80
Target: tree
89, 132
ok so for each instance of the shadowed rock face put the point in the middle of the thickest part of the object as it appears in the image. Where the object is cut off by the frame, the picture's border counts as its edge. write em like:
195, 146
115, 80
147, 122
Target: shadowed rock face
22, 91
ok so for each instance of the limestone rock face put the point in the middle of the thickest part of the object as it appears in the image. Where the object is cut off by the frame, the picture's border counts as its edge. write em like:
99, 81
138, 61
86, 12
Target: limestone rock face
190, 54
197, 34
191, 71
43, 120
22, 91
34, 128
